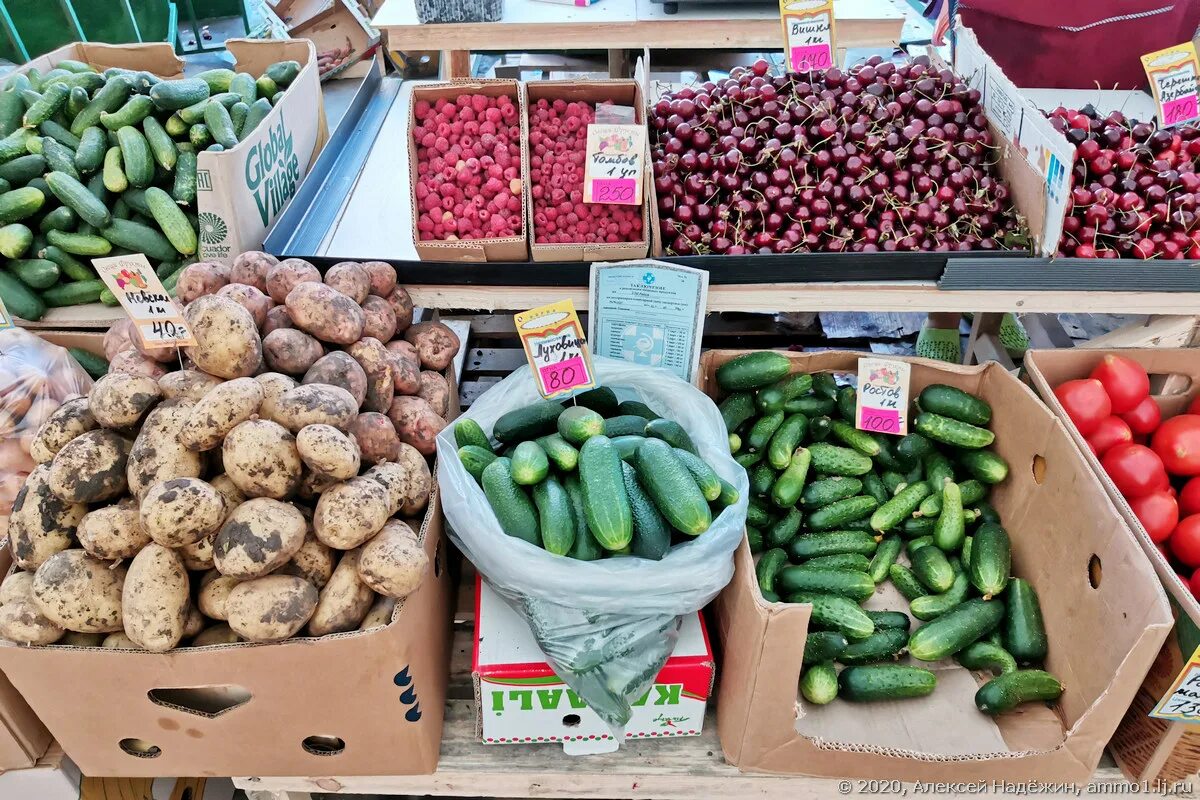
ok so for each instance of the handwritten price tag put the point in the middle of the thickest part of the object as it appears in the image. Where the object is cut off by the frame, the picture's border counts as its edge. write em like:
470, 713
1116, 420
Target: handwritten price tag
1173, 74
808, 34
157, 318
557, 349
614, 163
1182, 702
883, 396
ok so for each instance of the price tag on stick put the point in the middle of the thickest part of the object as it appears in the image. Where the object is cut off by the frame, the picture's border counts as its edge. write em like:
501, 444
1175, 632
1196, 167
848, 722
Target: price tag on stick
157, 318
882, 396
1182, 702
1173, 77
614, 163
557, 350
808, 36
6, 320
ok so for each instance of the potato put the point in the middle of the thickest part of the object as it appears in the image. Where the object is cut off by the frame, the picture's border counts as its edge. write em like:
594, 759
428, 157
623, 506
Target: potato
291, 351
271, 609
252, 268
436, 344
113, 532
186, 384
214, 594
227, 340
376, 363
314, 561
339, 369
194, 623
249, 298
198, 556
229, 490
393, 563
416, 422
154, 600
70, 420
382, 276
157, 454
73, 639
406, 368
344, 601
117, 338
216, 634
284, 276
326, 313
219, 411
163, 355
181, 511
39, 411
131, 362
119, 401
91, 467
402, 304
314, 403
313, 484
277, 319
380, 614
79, 593
262, 460
259, 537
119, 641
274, 385
436, 391
199, 279
328, 452
19, 586
41, 524
375, 436
349, 278
24, 623
380, 319
351, 512
419, 483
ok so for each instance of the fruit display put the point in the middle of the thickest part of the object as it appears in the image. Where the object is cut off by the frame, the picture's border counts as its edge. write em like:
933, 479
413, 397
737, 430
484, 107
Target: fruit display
836, 511
1135, 187
329, 61
879, 157
98, 164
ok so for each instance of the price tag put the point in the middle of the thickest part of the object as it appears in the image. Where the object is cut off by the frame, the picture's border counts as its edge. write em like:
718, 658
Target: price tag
1182, 702
557, 350
157, 318
614, 163
808, 37
1173, 79
882, 396
6, 320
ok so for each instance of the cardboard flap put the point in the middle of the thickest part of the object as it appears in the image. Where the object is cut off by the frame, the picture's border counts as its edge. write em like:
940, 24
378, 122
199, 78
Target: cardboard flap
255, 55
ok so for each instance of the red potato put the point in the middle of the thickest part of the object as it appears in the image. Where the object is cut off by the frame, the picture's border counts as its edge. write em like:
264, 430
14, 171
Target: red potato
380, 319
436, 391
406, 368
117, 338
134, 363
376, 363
383, 277
436, 344
349, 278
326, 313
376, 437
291, 351
284, 276
278, 318
199, 279
249, 298
402, 304
251, 268
339, 369
417, 424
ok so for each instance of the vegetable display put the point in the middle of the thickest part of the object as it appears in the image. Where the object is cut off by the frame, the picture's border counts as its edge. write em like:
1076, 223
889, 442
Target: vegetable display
97, 164
836, 511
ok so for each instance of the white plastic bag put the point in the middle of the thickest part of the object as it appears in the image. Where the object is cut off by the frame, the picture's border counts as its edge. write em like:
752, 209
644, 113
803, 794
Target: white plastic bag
608, 626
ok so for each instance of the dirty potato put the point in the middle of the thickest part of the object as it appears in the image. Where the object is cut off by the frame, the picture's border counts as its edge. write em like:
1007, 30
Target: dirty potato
73, 418
344, 601
219, 411
23, 622
113, 532
314, 561
91, 467
260, 536
119, 641
220, 633
249, 298
277, 319
406, 368
376, 363
291, 351
193, 623
382, 276
119, 401
313, 484
41, 524
181, 511
262, 460
316, 403
154, 599
349, 278
227, 340
402, 305
229, 490
73, 639
339, 369
393, 563
326, 313
416, 422
214, 593
186, 384
407, 483
351, 512
436, 391
119, 337
80, 593
131, 362
272, 608
274, 385
199, 279
436, 344
251, 268
327, 451
376, 437
284, 276
198, 556
163, 355
380, 319
380, 614
157, 454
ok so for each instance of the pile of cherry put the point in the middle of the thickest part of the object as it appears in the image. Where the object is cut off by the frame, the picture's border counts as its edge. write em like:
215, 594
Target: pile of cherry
882, 157
1135, 187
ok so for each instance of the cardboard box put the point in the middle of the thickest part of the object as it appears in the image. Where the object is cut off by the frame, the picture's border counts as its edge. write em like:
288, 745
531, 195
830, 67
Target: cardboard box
55, 777
1105, 616
23, 737
509, 248
522, 701
331, 25
621, 92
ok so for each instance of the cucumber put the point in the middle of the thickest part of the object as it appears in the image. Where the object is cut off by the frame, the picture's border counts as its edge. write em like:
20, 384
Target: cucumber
176, 126
75, 195
911, 449
757, 514
139, 238
729, 494
672, 487
876, 682
846, 562
199, 136
283, 72
45, 107
847, 405
89, 156
841, 512
837, 613
900, 507
174, 95
832, 460
985, 466
529, 464
636, 408
33, 145
108, 298
829, 490
94, 365
768, 567
585, 547
745, 460
987, 513
18, 204
932, 569
706, 478
244, 86
856, 439
987, 656
59, 134
135, 157
109, 97
883, 645
136, 109
627, 446
906, 583
651, 535
763, 429
554, 516
217, 79
220, 124
960, 626
19, 299
79, 244
810, 406
965, 552
822, 646
818, 428
856, 586
873, 485
528, 422
754, 538
830, 543
627, 425
259, 110
954, 403
971, 491
20, 171
825, 385
59, 158
785, 440
913, 545
773, 398
762, 479
12, 110
17, 82
114, 173
913, 528
885, 555
162, 146
467, 431
735, 443
672, 433
1006, 692
1024, 632
606, 504
172, 221
737, 409
15, 240
577, 424
184, 188
890, 620
561, 454
819, 684
753, 370
475, 459
991, 560
77, 100
952, 431
237, 116
73, 294
950, 528
15, 145
513, 509
36, 273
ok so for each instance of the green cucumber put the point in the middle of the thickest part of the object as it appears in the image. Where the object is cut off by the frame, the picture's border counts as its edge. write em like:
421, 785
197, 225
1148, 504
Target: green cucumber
1024, 632
529, 464
283, 72
987, 656
757, 513
847, 405
737, 409
554, 516
810, 406
890, 620
135, 157
136, 109
832, 542
15, 240
172, 221
162, 146
825, 385
115, 179
773, 398
954, 630
184, 188
785, 440
108, 298
108, 98
259, 110
74, 194
627, 446
36, 273
18, 204
54, 98
706, 478
834, 612
528, 422
985, 466
475, 459
265, 87
15, 146
885, 555
819, 684
672, 487
754, 538
753, 370
763, 429
965, 552
991, 560
911, 449
467, 431
244, 86
636, 407
672, 433
631, 425
861, 441
651, 535
822, 646
950, 528
937, 469
845, 562
913, 528
872, 484
971, 491
602, 400
73, 294
883, 645
828, 490
577, 424
79, 244
900, 507
841, 512
913, 545
59, 158
174, 95
59, 134
19, 299
879, 682
729, 494
952, 431
89, 156
818, 428
789, 486
176, 126
237, 116
12, 111
606, 504
199, 136
217, 79
560, 452
585, 547
746, 460
768, 567
220, 124
932, 569
17, 82
906, 583
832, 460
762, 479
735, 443
856, 586
513, 509
92, 364
139, 238
954, 403
1006, 692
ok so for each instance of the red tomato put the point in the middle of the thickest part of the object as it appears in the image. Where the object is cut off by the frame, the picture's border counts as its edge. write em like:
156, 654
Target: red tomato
1086, 403
1125, 381
1135, 469
1177, 442
1158, 513
1189, 497
1194, 583
1145, 417
1185, 541
1110, 431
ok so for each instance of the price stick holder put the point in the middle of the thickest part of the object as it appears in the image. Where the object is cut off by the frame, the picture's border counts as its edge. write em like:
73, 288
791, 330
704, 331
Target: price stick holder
6, 320
156, 317
1173, 74
556, 347
808, 35
1182, 702
883, 396
615, 159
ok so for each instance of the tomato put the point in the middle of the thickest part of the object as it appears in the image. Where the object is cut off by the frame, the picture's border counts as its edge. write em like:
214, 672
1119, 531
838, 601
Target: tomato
1145, 417
1125, 381
1189, 497
1135, 469
1158, 513
1194, 583
1110, 432
1185, 541
1177, 442
1086, 403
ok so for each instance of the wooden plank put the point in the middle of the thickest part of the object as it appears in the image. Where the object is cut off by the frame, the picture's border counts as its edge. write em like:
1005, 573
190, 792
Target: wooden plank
456, 64
1157, 331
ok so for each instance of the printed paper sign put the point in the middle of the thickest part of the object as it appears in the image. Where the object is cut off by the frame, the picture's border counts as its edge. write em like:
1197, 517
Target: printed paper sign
614, 163
807, 34
6, 320
1182, 702
882, 396
1173, 79
159, 321
556, 348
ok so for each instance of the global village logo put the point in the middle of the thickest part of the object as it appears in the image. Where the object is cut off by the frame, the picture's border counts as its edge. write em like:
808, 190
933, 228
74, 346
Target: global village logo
273, 171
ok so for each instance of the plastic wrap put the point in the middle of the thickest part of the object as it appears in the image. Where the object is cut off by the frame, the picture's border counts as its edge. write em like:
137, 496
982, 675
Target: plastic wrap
608, 626
35, 378
460, 10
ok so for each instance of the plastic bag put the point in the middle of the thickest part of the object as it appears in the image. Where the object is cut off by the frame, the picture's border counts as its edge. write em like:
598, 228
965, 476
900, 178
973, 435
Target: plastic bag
35, 378
608, 626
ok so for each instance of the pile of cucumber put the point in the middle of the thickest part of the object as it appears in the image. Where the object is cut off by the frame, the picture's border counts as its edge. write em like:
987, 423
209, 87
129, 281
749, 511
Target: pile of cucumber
98, 164
835, 511
594, 477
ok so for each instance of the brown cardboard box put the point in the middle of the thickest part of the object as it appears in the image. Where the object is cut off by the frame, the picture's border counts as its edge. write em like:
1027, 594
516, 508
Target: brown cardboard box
1105, 616
1145, 747
331, 24
512, 248
621, 92
23, 737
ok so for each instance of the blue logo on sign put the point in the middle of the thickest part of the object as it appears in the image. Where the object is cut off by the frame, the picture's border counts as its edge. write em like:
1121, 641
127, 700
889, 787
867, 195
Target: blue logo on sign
648, 278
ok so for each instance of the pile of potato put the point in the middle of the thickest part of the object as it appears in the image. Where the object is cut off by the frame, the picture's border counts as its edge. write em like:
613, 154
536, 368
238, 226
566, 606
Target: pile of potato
230, 501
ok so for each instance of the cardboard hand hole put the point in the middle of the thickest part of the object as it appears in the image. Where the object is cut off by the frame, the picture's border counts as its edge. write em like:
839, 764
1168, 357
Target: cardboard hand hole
323, 745
1166, 384
571, 721
203, 701
1095, 571
1039, 469
140, 748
